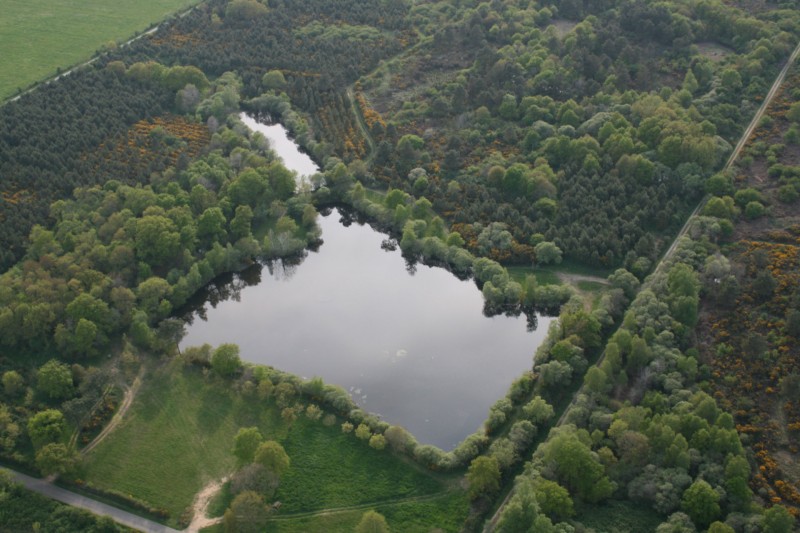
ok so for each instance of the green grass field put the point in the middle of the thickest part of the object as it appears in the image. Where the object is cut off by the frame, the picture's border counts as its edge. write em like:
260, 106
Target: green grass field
179, 433
444, 512
39, 36
543, 277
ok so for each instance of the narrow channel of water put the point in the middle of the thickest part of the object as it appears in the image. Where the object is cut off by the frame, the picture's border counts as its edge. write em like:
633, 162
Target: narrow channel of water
414, 348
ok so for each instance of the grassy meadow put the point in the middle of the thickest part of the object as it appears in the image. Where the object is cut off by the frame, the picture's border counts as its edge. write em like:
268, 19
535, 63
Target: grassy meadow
445, 512
39, 36
178, 436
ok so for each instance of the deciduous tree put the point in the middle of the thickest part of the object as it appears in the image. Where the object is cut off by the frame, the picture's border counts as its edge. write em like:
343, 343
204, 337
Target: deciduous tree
273, 457
372, 522
483, 476
701, 503
245, 444
55, 380
46, 426
247, 514
225, 360
56, 458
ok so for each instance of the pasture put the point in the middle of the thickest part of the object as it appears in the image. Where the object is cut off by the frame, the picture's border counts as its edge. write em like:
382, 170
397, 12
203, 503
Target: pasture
37, 37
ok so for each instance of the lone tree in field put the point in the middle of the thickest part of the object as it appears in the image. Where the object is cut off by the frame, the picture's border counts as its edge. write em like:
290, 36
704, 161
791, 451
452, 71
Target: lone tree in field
372, 522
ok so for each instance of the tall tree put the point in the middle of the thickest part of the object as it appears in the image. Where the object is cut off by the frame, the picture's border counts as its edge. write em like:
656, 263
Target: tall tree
273, 457
245, 444
372, 522
225, 360
247, 514
701, 503
55, 380
483, 476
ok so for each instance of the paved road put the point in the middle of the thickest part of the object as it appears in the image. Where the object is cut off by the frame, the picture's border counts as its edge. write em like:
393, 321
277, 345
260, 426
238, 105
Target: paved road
70, 498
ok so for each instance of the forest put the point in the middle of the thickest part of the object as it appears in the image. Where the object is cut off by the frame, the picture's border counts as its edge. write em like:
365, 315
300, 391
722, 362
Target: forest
572, 135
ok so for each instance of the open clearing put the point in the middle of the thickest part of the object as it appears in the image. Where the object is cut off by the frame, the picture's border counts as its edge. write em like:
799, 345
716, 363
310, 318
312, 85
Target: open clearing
39, 36
178, 434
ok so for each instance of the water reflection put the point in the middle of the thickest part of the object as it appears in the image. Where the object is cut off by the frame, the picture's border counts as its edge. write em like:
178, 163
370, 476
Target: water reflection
416, 349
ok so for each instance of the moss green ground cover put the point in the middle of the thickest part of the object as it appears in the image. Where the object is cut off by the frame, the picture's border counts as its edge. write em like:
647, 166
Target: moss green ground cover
178, 435
39, 36
444, 512
615, 515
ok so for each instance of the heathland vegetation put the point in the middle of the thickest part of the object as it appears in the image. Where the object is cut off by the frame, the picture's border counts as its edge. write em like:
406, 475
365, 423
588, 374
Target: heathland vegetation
481, 136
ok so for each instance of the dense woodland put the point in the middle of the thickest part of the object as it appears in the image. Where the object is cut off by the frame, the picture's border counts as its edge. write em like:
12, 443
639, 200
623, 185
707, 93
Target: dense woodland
480, 135
740, 286
45, 136
594, 125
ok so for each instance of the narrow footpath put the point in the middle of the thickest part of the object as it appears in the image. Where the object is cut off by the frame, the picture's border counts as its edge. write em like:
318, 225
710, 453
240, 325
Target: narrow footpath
127, 401
125, 518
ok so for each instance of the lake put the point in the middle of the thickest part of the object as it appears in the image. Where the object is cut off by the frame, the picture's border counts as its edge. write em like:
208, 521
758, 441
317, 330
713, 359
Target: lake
410, 342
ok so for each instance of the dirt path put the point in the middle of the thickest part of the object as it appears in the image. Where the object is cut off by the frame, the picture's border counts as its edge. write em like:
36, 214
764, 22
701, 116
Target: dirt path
573, 279
200, 507
127, 400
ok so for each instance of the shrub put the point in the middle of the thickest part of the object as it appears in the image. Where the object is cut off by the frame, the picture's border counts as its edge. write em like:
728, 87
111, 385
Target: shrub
378, 442
363, 432
754, 210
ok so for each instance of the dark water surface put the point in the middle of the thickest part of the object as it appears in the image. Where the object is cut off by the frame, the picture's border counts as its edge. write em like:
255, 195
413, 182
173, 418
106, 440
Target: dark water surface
415, 349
